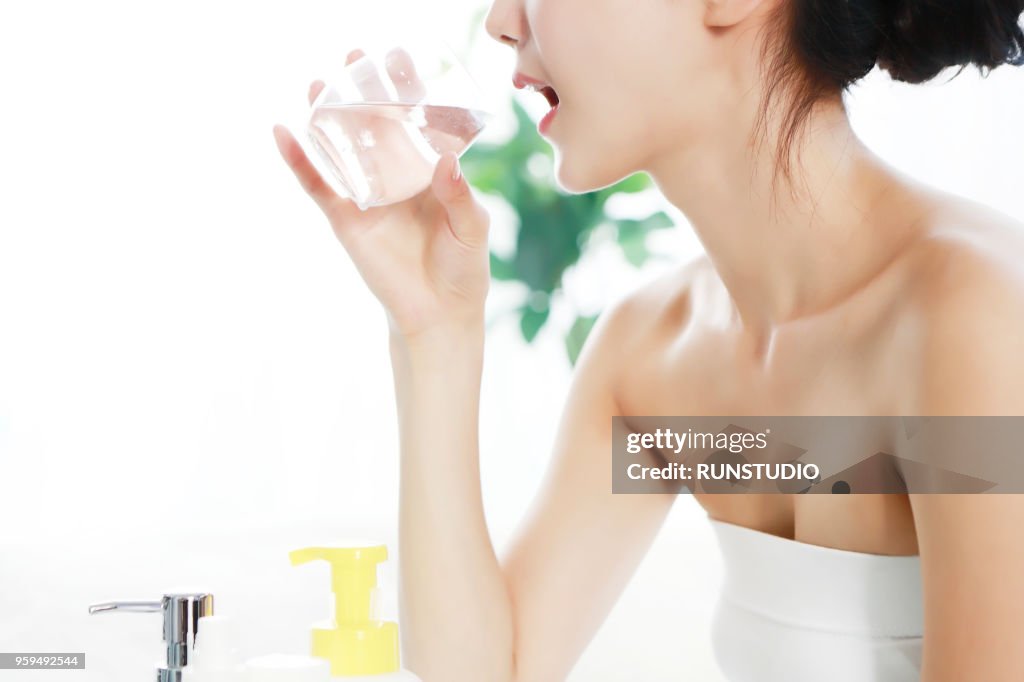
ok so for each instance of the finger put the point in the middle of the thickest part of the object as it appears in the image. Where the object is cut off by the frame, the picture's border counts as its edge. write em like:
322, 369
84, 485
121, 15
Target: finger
308, 176
402, 72
442, 129
468, 220
395, 157
315, 88
354, 122
354, 55
365, 75
446, 128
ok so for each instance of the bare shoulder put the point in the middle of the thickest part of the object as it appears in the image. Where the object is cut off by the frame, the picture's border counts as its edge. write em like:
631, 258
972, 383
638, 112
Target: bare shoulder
967, 297
970, 297
637, 317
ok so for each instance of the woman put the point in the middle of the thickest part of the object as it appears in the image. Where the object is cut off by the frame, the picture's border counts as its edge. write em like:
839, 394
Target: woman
831, 284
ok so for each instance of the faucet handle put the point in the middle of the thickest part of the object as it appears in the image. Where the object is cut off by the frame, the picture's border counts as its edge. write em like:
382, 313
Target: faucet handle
181, 614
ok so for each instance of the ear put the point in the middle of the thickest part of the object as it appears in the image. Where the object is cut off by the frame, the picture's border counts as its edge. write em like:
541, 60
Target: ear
726, 13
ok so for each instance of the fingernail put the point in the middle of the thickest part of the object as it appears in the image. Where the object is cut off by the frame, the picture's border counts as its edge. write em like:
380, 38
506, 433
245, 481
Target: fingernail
456, 170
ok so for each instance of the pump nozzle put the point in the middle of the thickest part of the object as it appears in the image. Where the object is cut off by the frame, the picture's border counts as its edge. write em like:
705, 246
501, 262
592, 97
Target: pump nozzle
356, 643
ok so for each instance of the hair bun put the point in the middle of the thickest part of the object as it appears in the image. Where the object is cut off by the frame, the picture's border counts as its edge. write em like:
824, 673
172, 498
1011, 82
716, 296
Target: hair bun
923, 37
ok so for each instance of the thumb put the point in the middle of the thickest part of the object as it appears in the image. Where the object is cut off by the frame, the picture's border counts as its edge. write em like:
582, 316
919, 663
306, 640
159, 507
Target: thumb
468, 219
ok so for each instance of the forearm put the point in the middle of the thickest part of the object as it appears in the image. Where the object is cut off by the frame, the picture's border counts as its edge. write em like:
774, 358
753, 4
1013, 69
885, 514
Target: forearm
457, 621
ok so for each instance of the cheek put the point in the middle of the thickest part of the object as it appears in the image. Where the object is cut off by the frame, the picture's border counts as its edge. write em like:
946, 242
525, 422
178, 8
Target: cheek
607, 134
620, 76
599, 134
580, 43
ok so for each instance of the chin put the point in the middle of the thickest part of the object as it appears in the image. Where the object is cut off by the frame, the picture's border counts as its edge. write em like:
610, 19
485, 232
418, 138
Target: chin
578, 176
569, 181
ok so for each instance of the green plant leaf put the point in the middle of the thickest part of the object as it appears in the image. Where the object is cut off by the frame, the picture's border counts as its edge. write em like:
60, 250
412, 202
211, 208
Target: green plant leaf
501, 269
635, 249
547, 242
532, 321
577, 336
632, 236
634, 183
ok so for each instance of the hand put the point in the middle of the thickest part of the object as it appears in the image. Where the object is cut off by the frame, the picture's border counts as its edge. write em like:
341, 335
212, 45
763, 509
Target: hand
426, 258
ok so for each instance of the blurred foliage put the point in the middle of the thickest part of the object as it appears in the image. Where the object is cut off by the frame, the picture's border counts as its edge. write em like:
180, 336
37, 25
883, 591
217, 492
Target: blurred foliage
553, 225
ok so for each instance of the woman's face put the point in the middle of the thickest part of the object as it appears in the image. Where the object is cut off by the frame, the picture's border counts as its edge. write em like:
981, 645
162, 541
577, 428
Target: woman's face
636, 79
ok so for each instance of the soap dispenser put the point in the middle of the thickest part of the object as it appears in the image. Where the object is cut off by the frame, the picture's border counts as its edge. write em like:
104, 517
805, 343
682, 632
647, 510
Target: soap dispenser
181, 617
356, 643
215, 658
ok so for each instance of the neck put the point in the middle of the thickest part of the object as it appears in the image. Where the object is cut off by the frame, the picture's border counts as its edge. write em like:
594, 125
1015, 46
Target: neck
790, 249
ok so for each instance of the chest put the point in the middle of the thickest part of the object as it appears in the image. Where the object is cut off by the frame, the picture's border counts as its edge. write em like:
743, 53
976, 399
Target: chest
706, 373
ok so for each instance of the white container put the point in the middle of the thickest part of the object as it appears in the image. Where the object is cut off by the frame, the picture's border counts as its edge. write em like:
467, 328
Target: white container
287, 668
214, 657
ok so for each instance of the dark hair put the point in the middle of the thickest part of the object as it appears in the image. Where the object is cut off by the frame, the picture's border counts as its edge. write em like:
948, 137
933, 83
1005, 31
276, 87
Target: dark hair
817, 48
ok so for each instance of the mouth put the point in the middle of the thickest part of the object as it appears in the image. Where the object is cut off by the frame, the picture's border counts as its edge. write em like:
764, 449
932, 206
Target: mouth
524, 82
549, 94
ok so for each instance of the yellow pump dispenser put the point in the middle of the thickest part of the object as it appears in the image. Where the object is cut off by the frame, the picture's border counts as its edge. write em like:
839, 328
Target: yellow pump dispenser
356, 643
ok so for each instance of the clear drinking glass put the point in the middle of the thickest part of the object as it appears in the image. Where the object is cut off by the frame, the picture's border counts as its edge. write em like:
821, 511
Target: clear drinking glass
380, 126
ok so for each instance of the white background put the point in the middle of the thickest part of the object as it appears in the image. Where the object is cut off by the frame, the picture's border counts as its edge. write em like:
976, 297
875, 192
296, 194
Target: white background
193, 379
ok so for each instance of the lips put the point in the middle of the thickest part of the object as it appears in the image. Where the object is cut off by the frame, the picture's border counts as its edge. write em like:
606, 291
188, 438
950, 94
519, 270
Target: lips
523, 82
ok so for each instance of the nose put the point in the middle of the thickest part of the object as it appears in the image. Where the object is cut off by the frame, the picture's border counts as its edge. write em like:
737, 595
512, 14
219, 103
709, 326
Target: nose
505, 22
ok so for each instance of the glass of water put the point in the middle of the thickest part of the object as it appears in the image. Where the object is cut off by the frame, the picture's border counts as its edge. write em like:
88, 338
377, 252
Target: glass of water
381, 124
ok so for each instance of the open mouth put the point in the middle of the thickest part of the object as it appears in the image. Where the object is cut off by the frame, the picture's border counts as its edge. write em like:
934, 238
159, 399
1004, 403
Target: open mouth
549, 93
522, 81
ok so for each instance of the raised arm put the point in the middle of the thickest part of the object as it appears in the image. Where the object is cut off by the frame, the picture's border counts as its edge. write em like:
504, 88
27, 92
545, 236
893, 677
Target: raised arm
579, 544
466, 615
